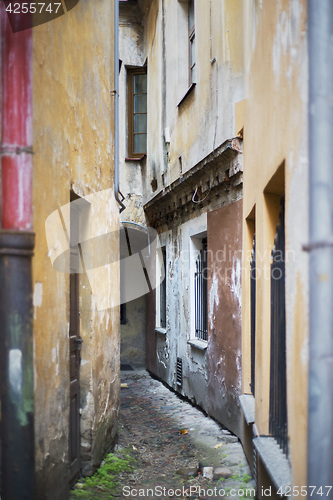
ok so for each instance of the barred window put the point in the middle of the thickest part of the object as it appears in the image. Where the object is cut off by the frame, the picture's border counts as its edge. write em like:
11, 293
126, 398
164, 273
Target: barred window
200, 293
278, 374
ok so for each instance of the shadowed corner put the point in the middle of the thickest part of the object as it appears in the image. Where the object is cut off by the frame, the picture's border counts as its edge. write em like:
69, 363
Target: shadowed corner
27, 15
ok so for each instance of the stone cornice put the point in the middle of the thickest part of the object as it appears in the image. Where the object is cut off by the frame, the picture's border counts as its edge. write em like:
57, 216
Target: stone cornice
210, 182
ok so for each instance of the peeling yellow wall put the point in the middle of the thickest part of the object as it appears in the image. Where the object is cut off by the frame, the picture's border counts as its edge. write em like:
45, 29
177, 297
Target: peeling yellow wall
73, 145
275, 137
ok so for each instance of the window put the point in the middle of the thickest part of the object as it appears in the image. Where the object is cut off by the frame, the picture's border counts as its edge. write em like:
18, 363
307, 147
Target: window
200, 293
161, 273
186, 45
137, 112
191, 38
278, 376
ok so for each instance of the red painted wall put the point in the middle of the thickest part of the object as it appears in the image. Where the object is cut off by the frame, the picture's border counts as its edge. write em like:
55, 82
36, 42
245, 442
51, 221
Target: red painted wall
224, 241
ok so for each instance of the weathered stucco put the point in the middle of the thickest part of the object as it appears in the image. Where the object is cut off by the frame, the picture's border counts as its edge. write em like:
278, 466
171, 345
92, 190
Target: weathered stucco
275, 163
73, 145
219, 85
224, 305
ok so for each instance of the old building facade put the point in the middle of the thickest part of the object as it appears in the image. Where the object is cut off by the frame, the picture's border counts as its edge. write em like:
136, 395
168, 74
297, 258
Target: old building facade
182, 87
73, 119
275, 290
75, 323
209, 89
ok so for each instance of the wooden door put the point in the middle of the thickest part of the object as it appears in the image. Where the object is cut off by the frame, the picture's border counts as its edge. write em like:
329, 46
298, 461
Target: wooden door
74, 352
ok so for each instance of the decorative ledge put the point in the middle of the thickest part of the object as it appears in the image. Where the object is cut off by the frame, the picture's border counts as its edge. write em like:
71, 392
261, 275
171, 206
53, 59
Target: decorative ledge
198, 344
189, 90
222, 168
247, 403
275, 461
161, 331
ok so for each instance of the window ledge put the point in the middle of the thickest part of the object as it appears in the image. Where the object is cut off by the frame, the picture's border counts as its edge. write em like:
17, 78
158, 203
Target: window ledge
198, 344
275, 461
162, 331
247, 403
189, 90
136, 159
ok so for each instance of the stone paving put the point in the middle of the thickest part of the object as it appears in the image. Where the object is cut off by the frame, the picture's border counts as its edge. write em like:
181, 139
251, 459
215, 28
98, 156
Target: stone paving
179, 451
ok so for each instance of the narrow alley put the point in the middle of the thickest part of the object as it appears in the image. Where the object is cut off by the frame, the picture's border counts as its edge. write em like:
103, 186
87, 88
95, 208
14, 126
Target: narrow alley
166, 256
175, 450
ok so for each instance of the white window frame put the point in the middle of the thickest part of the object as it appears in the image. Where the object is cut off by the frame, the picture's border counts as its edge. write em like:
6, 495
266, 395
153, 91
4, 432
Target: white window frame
159, 274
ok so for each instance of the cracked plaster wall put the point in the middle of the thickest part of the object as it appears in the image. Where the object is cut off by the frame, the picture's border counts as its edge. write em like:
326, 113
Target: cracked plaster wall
73, 145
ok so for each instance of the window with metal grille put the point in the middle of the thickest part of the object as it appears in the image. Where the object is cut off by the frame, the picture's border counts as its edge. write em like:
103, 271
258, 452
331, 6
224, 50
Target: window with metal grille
253, 313
278, 376
200, 293
163, 293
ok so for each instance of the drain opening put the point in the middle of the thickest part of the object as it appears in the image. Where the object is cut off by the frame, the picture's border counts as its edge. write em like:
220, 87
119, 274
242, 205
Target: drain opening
179, 372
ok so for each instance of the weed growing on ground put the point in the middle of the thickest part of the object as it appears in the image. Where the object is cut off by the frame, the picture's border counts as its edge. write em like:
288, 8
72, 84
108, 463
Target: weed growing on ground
105, 479
242, 486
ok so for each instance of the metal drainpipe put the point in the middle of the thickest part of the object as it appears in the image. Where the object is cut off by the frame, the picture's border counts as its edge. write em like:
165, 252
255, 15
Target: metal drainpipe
320, 404
16, 250
116, 105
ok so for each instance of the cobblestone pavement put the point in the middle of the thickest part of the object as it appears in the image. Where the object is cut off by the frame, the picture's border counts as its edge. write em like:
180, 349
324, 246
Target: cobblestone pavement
180, 452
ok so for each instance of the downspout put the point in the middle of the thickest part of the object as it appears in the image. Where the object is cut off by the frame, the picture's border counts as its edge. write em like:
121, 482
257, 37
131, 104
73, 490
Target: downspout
116, 107
163, 118
16, 250
320, 403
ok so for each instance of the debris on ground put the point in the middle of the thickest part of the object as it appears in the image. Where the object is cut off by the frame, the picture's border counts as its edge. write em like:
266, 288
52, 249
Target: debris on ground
168, 449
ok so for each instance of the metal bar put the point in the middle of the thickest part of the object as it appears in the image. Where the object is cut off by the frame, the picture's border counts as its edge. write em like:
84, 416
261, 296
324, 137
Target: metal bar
205, 289
320, 402
195, 301
253, 314
16, 129
116, 106
200, 294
